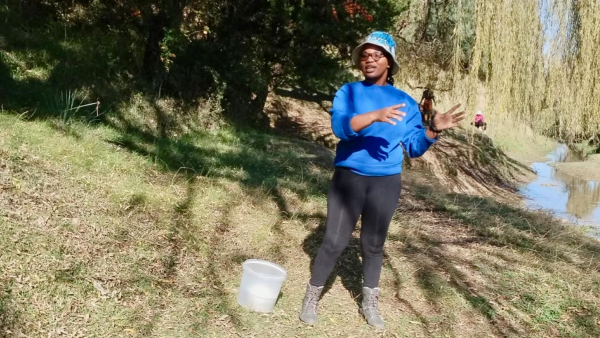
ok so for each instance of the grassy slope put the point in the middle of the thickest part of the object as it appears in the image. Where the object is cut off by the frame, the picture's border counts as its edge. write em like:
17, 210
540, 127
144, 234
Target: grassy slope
109, 234
520, 141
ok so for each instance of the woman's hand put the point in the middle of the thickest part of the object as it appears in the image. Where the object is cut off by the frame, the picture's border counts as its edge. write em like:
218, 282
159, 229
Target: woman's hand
387, 114
448, 120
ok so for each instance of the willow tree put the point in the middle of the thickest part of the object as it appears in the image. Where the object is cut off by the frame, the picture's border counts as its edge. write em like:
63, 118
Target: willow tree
539, 63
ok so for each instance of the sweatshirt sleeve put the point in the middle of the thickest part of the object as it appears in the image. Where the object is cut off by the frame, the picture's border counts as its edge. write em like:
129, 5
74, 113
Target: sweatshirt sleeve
415, 141
341, 114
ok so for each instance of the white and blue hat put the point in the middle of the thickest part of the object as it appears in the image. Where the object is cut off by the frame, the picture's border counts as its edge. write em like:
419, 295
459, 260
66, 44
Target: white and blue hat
383, 40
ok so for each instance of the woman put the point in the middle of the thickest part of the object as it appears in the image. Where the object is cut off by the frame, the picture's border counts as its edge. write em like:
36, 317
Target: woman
368, 162
426, 104
479, 121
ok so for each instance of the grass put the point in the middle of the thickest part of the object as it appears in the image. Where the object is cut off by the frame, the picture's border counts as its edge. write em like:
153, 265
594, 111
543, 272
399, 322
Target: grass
520, 141
50, 70
586, 170
138, 226
115, 233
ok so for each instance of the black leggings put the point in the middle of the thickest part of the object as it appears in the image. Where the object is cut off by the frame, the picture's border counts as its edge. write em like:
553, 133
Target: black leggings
350, 196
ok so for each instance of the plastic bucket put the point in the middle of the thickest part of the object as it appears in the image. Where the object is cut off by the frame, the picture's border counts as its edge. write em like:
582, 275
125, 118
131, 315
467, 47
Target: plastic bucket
260, 286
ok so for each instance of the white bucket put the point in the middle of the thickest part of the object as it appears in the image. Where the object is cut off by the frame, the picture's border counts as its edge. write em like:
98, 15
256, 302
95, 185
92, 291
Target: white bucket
261, 283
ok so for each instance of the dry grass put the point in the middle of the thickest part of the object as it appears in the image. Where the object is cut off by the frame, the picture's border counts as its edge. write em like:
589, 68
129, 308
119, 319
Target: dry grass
117, 235
587, 170
519, 140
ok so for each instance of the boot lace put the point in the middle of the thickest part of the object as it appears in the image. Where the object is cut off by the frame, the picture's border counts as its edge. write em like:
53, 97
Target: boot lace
313, 299
372, 303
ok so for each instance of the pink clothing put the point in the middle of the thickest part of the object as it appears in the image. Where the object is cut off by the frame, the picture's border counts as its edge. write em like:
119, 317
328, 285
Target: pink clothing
478, 118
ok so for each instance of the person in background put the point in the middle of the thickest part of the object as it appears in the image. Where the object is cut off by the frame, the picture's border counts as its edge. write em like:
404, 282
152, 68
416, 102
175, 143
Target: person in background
373, 133
426, 105
480, 122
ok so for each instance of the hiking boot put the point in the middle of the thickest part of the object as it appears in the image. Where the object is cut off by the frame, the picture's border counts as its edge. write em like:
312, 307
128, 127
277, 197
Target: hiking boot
310, 303
369, 307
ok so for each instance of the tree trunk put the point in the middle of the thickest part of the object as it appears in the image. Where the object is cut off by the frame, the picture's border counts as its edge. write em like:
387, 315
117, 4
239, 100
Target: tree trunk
430, 5
153, 67
258, 106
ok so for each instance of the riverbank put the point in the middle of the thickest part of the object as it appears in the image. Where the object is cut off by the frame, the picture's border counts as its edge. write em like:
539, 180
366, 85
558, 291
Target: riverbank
588, 169
571, 194
112, 233
520, 142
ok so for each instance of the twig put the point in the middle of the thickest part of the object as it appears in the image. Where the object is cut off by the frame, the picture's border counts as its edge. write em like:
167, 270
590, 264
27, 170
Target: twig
85, 105
97, 107
177, 172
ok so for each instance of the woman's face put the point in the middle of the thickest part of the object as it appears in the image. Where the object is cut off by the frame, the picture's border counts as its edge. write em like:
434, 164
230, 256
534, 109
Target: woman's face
373, 62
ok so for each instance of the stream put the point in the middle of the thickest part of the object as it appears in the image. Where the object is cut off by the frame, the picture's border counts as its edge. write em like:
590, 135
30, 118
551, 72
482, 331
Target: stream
574, 199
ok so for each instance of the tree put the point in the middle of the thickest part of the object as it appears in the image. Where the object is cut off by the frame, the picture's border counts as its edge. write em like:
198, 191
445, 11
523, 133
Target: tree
257, 45
241, 49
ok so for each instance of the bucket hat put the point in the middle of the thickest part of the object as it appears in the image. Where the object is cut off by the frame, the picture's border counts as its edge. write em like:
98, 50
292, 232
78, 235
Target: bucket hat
383, 40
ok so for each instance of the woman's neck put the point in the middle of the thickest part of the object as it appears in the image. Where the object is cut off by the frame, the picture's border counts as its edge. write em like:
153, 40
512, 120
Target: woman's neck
380, 81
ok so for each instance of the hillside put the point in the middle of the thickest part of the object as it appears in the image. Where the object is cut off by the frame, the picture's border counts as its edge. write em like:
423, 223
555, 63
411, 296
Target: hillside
107, 233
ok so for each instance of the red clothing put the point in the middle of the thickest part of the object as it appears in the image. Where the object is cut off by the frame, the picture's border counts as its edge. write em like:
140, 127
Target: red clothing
427, 104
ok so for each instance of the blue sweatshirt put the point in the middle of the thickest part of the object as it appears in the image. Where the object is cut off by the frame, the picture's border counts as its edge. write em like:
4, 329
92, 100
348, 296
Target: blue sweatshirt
375, 150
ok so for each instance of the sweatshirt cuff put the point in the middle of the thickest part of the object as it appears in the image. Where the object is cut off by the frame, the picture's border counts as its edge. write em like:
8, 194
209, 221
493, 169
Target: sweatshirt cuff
430, 140
348, 127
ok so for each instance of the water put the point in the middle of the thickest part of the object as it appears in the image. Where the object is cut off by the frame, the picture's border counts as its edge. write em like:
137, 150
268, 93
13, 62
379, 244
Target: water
562, 154
574, 199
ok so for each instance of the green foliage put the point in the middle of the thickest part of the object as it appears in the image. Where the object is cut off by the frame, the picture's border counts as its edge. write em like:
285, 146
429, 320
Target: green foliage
191, 50
482, 304
70, 104
280, 43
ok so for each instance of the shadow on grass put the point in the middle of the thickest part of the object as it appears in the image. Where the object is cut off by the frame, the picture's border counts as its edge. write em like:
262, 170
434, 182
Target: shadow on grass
480, 161
219, 300
284, 123
300, 94
348, 266
47, 69
265, 165
180, 228
257, 160
438, 273
504, 225
473, 220
8, 318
